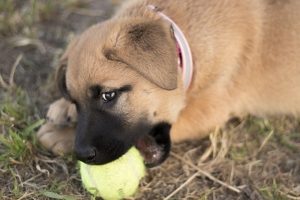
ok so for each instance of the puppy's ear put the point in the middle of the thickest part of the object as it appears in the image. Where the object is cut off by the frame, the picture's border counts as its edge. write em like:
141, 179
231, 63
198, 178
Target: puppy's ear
60, 75
150, 49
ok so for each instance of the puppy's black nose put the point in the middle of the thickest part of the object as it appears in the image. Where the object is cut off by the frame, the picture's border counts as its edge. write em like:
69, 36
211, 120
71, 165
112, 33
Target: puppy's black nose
86, 154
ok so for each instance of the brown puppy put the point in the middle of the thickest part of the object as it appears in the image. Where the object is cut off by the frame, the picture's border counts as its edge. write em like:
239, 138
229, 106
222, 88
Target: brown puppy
123, 75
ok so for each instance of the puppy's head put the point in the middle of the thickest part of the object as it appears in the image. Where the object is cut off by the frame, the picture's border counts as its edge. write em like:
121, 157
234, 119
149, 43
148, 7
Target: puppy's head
122, 75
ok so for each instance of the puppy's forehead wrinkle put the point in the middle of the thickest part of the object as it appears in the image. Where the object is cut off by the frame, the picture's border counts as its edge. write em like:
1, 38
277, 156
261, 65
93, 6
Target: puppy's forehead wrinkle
119, 37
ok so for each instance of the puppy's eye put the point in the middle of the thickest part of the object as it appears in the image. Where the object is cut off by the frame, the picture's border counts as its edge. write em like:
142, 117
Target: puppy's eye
108, 96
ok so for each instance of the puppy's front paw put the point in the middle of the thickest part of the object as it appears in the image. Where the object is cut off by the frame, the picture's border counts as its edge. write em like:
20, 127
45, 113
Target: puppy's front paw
62, 113
59, 140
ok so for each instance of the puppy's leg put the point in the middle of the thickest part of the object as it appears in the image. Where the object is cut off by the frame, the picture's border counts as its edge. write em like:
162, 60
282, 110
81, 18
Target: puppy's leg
200, 116
59, 140
62, 113
58, 134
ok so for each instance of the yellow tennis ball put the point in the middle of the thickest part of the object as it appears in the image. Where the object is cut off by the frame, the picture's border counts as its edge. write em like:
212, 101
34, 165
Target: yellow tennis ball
118, 179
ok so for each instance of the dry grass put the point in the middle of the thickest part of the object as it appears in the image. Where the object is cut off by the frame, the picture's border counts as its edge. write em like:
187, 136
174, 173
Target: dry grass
252, 159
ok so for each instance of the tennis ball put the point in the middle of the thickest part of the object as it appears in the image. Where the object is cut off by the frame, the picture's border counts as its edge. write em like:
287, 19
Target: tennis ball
115, 180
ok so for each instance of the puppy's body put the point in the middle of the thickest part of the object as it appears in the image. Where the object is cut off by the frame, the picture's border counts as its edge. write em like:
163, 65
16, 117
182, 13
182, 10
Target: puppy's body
246, 60
246, 55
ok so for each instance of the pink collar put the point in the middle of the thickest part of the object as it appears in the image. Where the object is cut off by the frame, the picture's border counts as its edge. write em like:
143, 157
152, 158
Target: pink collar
185, 59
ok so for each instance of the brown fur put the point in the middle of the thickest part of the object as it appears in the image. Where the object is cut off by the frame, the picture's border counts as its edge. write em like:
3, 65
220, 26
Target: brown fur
246, 57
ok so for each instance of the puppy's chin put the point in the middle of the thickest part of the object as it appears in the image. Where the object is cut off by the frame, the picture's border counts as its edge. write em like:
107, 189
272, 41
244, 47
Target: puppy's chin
155, 146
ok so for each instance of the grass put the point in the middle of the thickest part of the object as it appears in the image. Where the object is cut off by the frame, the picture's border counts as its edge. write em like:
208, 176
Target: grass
17, 136
19, 127
21, 17
262, 158
27, 171
22, 160
273, 192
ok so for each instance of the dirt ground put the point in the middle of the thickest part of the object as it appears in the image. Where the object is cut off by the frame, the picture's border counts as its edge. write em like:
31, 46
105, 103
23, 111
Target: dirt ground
250, 158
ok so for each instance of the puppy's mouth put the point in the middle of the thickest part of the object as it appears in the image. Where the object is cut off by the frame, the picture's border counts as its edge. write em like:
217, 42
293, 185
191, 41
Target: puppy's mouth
155, 146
